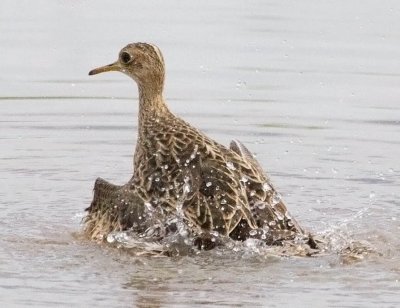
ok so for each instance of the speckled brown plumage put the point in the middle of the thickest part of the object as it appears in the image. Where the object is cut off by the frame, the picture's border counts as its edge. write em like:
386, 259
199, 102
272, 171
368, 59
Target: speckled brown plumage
178, 170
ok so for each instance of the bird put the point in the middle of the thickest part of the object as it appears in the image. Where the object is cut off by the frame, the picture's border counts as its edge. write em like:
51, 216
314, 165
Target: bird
179, 171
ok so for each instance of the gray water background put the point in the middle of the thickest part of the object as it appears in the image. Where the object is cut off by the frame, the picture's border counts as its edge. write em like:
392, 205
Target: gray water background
311, 87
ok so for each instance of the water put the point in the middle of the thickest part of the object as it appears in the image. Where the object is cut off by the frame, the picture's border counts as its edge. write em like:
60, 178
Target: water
312, 88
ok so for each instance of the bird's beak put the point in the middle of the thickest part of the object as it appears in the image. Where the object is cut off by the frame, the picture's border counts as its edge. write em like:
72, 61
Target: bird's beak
107, 68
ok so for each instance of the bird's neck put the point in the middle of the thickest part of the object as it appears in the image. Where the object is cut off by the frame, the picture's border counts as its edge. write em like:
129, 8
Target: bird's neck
152, 106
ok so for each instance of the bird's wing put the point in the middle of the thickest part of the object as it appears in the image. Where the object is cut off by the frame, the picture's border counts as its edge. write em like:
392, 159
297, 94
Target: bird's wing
239, 148
267, 205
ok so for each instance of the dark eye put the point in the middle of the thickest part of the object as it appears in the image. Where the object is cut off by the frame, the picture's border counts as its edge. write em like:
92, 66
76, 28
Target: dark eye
125, 57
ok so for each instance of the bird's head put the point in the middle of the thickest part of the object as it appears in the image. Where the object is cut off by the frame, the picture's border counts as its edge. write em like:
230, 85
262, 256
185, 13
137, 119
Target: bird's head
141, 61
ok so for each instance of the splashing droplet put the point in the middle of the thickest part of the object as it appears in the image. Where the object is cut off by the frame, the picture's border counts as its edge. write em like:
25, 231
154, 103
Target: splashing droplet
253, 232
149, 206
110, 238
260, 205
372, 195
266, 186
279, 215
244, 179
186, 188
276, 198
230, 165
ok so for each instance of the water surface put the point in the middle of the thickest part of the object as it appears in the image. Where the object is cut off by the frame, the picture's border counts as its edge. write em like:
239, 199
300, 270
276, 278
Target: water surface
312, 88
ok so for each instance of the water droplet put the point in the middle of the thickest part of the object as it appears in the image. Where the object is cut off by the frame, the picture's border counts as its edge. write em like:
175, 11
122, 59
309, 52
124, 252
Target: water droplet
260, 205
279, 215
110, 238
272, 223
149, 206
244, 179
230, 165
157, 179
186, 188
290, 224
166, 167
223, 201
240, 84
266, 186
276, 198
208, 184
253, 232
372, 195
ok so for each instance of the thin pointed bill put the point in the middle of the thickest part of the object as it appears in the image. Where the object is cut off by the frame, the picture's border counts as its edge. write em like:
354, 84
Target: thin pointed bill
107, 68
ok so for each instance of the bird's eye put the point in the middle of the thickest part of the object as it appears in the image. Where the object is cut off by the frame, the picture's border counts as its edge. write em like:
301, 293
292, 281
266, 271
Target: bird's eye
125, 57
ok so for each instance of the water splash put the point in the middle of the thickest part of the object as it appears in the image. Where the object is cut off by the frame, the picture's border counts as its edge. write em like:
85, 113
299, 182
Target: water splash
169, 234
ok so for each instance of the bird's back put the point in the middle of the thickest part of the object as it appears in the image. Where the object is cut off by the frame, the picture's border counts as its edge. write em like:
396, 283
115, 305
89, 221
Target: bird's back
177, 166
